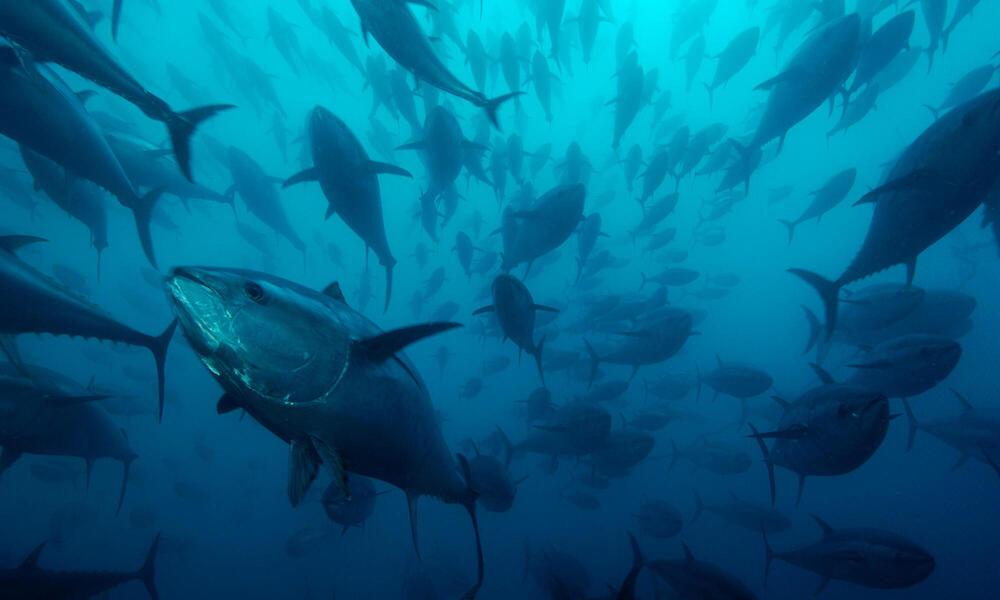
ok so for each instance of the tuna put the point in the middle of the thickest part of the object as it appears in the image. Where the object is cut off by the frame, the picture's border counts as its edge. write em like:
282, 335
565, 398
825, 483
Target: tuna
355, 507
37, 304
829, 195
653, 344
49, 416
732, 59
531, 232
31, 581
748, 515
515, 310
260, 195
349, 376
349, 180
51, 33
692, 578
394, 27
871, 558
830, 430
40, 113
939, 180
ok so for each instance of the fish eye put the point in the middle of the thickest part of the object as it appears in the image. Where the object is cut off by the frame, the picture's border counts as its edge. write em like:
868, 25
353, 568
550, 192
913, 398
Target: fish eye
254, 292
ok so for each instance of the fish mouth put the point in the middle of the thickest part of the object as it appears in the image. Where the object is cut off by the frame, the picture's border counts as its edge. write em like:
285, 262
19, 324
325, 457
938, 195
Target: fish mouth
199, 308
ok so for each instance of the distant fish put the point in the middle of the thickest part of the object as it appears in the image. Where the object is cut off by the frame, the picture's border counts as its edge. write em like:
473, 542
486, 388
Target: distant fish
394, 27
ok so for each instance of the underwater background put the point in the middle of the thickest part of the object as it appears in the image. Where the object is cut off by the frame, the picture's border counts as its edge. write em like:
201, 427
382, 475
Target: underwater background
214, 486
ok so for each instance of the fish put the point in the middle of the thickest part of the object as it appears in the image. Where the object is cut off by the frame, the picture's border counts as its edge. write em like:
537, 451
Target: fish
733, 58
825, 198
829, 430
30, 580
749, 515
258, 192
51, 33
817, 70
515, 310
349, 180
872, 558
317, 412
396, 30
659, 519
41, 114
650, 345
693, 578
37, 304
946, 184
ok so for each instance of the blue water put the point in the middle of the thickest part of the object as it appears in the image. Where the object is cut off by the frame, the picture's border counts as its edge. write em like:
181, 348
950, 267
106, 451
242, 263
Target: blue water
234, 530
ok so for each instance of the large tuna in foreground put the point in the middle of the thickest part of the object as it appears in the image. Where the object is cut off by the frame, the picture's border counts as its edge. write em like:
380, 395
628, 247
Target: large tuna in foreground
325, 379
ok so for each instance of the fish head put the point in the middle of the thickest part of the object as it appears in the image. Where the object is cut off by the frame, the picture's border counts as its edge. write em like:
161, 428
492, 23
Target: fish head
325, 128
930, 357
269, 342
864, 409
902, 561
507, 290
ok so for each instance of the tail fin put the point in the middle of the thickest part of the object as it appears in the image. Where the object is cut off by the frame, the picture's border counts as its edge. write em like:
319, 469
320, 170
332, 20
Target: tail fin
711, 96
181, 127
142, 212
470, 507
767, 459
644, 279
913, 425
491, 106
791, 228
595, 361
827, 291
146, 573
934, 111
699, 506
769, 556
814, 329
158, 347
538, 359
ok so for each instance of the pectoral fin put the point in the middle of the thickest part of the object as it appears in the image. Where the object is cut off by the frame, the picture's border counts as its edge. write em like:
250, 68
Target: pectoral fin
303, 462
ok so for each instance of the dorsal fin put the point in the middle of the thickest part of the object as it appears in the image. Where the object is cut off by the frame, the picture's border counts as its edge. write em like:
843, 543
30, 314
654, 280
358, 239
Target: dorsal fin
822, 373
382, 347
333, 290
31, 562
827, 530
12, 243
